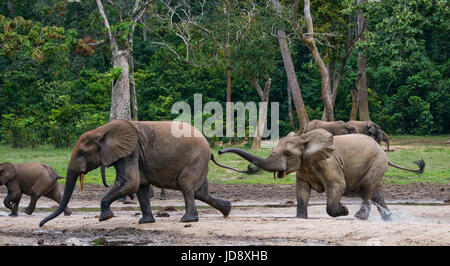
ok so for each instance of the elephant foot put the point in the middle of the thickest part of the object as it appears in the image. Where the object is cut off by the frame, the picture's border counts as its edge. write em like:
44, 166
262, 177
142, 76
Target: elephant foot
362, 215
147, 219
106, 215
189, 218
364, 212
13, 214
302, 216
226, 209
340, 211
28, 211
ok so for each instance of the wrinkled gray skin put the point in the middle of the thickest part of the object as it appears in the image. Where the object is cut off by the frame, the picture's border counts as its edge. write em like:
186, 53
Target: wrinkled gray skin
368, 128
33, 179
144, 153
124, 199
336, 128
382, 136
349, 165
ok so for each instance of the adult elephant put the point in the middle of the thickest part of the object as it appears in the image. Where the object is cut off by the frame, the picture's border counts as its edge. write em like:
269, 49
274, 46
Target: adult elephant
144, 154
368, 128
336, 127
348, 165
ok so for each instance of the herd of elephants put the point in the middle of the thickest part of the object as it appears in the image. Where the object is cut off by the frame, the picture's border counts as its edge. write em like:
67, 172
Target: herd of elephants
338, 158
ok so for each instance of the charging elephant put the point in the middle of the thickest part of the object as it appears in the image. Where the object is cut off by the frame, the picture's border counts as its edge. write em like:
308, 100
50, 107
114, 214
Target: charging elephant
33, 179
335, 127
368, 128
348, 165
145, 153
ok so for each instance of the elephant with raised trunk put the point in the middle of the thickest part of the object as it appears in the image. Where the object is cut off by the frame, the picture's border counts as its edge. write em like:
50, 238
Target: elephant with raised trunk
348, 165
33, 179
335, 127
144, 153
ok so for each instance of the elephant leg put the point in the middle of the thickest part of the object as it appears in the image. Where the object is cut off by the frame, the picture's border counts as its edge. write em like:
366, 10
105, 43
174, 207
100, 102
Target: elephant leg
191, 214
127, 181
32, 205
303, 190
15, 205
224, 206
163, 194
55, 195
144, 203
112, 195
364, 211
378, 200
151, 193
334, 207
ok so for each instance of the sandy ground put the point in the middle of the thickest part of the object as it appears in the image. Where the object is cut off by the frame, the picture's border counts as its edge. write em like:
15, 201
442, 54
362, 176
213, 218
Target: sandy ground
261, 215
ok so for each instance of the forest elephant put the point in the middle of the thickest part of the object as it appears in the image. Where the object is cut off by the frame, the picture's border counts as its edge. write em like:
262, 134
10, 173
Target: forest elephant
368, 128
33, 179
144, 153
336, 127
382, 136
349, 165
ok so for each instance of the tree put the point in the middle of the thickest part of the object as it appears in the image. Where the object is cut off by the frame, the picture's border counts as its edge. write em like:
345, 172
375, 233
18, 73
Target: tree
122, 56
361, 79
290, 73
309, 40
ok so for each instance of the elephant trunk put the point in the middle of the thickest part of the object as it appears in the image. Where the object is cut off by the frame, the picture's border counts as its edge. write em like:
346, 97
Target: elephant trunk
273, 163
71, 180
387, 143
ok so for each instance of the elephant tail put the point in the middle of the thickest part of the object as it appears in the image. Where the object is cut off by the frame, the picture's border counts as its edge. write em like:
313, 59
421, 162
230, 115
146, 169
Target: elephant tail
420, 163
60, 177
227, 167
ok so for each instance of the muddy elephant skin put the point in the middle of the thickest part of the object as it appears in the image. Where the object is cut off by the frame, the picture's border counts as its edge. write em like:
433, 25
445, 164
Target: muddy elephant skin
33, 179
144, 153
349, 165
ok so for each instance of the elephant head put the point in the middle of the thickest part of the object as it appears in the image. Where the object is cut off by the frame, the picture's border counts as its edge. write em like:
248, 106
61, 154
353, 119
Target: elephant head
373, 130
292, 151
7, 173
102, 146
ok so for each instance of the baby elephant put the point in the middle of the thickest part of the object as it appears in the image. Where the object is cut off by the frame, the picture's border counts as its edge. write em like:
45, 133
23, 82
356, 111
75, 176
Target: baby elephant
33, 179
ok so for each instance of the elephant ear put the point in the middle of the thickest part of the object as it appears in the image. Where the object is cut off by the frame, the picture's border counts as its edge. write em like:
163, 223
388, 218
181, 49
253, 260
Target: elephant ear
373, 128
318, 145
119, 139
7, 172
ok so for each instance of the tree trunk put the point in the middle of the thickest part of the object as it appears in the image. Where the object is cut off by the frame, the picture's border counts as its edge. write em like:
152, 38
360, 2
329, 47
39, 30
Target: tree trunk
133, 89
262, 115
355, 97
291, 118
309, 40
120, 95
361, 84
291, 76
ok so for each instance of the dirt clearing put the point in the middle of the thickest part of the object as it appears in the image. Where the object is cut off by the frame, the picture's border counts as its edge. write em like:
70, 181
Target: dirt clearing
261, 215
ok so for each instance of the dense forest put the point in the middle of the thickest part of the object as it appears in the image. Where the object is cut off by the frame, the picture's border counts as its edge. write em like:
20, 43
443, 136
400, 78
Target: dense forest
60, 62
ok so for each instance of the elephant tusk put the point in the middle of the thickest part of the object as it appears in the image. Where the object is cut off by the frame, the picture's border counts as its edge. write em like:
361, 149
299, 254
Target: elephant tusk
81, 181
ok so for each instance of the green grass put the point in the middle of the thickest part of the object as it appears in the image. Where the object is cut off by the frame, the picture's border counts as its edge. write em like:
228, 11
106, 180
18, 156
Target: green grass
435, 150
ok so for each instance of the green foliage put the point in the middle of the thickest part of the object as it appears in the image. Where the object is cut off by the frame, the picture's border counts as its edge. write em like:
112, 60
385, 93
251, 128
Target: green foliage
51, 91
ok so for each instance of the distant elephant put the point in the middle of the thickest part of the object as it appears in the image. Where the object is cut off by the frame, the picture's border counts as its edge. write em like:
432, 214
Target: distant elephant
336, 127
145, 153
162, 195
368, 128
382, 136
348, 165
33, 179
